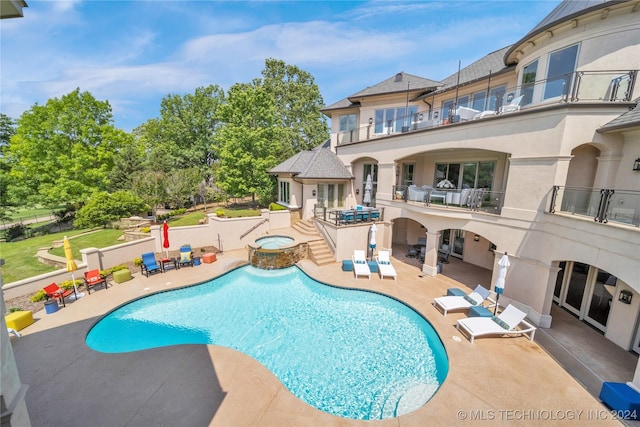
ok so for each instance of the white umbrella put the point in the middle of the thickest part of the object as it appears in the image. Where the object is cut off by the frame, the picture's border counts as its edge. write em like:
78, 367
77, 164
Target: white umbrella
372, 238
498, 286
368, 186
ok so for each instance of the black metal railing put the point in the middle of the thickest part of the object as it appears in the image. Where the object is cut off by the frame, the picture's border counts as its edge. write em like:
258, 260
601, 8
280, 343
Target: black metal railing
475, 199
575, 87
602, 204
361, 214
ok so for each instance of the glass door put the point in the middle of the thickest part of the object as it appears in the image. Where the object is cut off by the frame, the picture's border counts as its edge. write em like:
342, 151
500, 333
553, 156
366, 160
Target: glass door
576, 288
600, 297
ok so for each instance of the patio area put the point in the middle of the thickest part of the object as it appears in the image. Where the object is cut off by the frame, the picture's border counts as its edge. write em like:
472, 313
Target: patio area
495, 381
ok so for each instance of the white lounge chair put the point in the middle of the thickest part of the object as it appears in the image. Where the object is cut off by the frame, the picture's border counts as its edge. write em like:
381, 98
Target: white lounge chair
360, 266
385, 268
453, 302
509, 322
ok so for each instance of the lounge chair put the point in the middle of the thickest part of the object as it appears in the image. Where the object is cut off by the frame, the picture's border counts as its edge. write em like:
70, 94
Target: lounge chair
507, 323
385, 268
149, 264
93, 278
186, 257
453, 302
53, 291
360, 266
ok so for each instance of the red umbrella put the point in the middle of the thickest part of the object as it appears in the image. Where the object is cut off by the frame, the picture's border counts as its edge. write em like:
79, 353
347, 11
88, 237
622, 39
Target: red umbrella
165, 237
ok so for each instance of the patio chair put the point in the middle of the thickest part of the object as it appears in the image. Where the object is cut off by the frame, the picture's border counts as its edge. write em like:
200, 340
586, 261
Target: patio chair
186, 256
53, 291
93, 278
443, 254
453, 302
385, 268
149, 264
509, 322
360, 266
514, 105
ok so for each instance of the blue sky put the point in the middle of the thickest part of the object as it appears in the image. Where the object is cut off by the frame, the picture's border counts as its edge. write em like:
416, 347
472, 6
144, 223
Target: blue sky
133, 53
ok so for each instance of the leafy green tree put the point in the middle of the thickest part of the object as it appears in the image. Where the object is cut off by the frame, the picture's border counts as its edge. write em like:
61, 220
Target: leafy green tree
150, 186
250, 142
184, 133
298, 102
129, 160
7, 130
181, 185
103, 208
63, 151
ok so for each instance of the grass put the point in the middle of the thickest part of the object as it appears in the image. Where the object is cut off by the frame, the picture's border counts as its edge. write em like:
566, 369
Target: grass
21, 260
20, 257
238, 213
24, 214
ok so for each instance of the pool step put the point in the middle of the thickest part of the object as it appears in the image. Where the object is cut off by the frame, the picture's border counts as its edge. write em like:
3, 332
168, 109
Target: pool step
401, 399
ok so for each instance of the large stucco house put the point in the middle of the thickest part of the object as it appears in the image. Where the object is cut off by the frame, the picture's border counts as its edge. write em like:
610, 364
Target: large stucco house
533, 150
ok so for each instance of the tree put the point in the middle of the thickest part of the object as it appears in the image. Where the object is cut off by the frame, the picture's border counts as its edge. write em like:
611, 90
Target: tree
184, 133
298, 102
250, 142
182, 184
63, 151
149, 186
103, 208
129, 160
7, 130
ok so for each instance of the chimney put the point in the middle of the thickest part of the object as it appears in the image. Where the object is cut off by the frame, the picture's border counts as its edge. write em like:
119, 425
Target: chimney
399, 77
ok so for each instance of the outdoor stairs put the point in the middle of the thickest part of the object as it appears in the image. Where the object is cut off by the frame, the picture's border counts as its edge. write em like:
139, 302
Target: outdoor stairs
319, 251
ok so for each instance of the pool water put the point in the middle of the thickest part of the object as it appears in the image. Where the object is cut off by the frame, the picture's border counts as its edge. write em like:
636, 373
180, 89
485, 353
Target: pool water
274, 242
351, 353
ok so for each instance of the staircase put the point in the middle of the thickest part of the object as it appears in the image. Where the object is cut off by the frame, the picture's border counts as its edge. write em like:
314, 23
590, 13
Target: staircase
319, 251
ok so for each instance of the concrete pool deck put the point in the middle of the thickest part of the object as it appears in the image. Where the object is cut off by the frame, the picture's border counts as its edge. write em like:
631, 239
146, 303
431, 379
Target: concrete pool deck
494, 381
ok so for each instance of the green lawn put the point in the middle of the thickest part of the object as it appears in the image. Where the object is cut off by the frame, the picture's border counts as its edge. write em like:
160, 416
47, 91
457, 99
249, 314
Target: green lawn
23, 214
21, 260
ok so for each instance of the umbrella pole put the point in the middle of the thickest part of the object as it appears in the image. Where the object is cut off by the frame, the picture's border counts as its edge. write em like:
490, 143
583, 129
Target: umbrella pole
495, 309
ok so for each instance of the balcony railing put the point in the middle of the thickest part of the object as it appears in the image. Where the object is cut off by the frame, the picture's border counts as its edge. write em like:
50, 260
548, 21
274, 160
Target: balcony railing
603, 205
576, 87
474, 199
361, 214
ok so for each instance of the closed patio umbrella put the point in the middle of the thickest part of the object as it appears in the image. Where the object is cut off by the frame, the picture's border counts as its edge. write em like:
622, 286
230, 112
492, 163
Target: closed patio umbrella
372, 238
368, 187
71, 267
503, 266
165, 237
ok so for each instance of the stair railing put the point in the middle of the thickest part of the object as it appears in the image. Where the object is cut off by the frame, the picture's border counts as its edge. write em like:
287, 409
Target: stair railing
253, 228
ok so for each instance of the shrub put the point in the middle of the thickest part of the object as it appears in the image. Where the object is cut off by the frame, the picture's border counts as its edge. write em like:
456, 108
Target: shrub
15, 231
276, 207
103, 208
145, 230
220, 212
137, 262
14, 309
39, 296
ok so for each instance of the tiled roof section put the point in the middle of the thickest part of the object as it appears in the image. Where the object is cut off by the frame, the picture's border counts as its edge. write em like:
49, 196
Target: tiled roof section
566, 10
493, 63
343, 103
398, 83
317, 163
629, 119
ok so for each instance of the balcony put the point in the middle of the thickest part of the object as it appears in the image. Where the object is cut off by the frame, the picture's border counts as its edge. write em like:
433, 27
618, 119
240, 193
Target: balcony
578, 87
468, 199
603, 205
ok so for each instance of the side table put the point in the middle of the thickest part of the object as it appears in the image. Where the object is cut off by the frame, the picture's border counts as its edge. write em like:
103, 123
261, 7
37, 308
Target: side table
168, 264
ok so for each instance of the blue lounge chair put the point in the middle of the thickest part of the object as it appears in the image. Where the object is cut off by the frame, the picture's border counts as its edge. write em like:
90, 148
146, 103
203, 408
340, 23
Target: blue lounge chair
186, 257
149, 264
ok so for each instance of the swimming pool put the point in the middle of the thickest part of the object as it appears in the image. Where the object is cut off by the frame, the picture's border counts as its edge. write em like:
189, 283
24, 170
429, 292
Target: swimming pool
350, 353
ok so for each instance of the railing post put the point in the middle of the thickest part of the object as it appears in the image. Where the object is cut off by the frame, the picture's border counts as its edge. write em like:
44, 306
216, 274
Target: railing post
603, 205
576, 85
632, 83
554, 195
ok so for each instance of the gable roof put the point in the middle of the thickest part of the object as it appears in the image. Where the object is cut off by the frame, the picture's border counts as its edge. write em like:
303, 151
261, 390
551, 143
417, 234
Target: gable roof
319, 163
629, 119
400, 83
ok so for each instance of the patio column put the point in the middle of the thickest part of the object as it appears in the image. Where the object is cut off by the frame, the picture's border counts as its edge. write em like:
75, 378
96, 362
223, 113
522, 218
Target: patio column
430, 266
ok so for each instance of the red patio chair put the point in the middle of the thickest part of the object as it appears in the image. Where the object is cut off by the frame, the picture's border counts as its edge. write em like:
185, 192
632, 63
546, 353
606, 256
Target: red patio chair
56, 292
94, 278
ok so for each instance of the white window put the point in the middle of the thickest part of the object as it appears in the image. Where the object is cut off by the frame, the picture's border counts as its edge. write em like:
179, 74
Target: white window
395, 119
348, 122
562, 64
285, 192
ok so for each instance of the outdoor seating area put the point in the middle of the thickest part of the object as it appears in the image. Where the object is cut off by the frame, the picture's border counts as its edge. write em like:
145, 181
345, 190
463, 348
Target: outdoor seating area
93, 278
477, 297
354, 216
55, 292
508, 323
385, 268
149, 264
360, 265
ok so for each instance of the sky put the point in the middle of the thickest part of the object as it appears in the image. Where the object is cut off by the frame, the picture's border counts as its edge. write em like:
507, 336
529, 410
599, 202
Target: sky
134, 53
